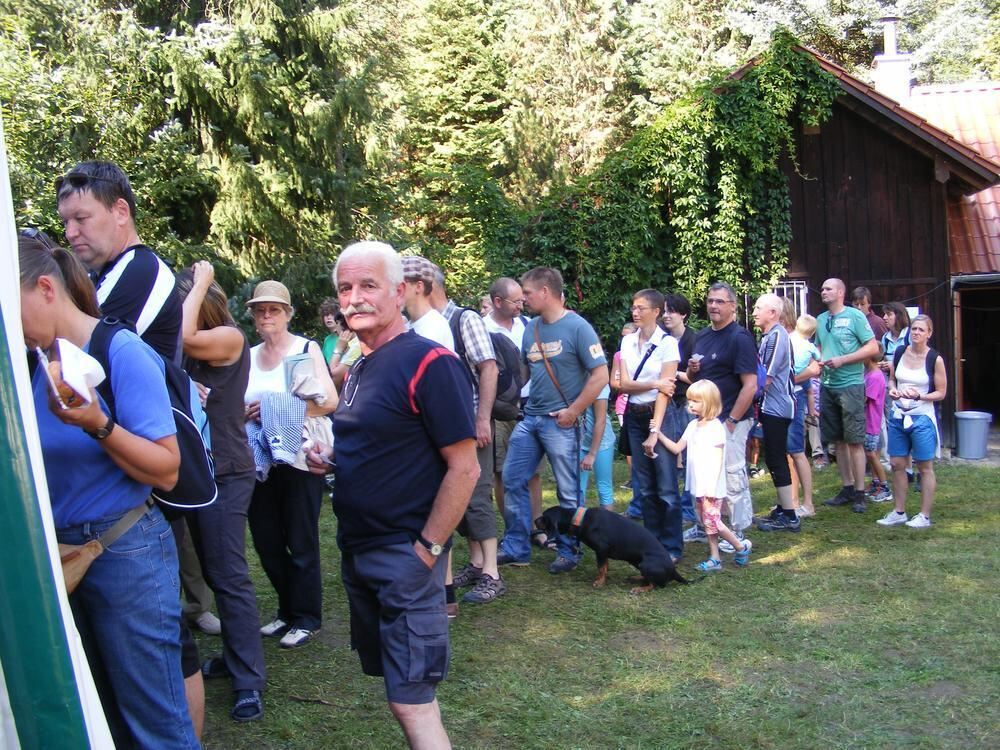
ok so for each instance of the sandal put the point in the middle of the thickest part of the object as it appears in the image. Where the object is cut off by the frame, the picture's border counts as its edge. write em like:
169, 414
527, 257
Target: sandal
215, 668
540, 539
248, 706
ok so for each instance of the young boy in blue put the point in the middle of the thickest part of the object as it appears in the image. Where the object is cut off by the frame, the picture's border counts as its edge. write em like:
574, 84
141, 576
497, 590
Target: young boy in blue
598, 456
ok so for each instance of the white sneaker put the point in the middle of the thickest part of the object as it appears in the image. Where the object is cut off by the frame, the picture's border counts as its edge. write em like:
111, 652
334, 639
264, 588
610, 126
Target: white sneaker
208, 623
296, 637
276, 627
919, 521
892, 518
726, 547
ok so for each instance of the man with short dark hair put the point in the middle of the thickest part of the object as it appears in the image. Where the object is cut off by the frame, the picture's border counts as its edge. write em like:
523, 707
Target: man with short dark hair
405, 466
97, 208
568, 369
726, 354
861, 299
675, 315
845, 340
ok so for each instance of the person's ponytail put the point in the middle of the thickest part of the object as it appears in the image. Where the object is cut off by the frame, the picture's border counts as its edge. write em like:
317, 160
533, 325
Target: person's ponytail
38, 258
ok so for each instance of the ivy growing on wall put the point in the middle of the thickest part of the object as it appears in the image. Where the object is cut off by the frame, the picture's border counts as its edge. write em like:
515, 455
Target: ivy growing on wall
698, 195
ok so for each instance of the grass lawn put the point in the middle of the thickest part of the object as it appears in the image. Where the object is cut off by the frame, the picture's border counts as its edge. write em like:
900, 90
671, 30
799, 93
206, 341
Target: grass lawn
847, 635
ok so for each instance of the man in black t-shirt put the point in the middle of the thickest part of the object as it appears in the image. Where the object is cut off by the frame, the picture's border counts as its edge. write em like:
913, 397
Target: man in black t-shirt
406, 467
97, 208
726, 354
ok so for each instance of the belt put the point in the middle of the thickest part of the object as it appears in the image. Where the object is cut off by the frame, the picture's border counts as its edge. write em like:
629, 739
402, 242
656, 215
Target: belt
641, 408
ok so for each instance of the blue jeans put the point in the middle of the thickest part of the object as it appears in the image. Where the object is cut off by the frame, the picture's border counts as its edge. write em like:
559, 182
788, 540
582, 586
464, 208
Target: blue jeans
128, 611
655, 481
534, 437
602, 475
681, 417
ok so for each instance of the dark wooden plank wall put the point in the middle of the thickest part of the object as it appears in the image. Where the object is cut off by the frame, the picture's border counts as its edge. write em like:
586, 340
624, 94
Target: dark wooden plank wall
867, 208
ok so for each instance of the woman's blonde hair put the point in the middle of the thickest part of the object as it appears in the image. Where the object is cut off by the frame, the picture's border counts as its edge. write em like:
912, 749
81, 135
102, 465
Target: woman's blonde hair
708, 393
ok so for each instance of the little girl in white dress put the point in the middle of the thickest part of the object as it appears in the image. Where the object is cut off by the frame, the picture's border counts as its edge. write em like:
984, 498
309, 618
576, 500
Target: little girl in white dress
705, 439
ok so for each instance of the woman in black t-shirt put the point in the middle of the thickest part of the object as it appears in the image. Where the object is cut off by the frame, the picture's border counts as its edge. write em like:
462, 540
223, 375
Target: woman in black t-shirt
217, 356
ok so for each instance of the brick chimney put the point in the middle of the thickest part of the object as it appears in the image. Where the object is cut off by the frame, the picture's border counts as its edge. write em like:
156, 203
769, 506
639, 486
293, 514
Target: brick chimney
891, 70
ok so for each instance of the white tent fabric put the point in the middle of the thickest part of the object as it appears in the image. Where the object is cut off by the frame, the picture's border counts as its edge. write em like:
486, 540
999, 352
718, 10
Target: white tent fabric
97, 728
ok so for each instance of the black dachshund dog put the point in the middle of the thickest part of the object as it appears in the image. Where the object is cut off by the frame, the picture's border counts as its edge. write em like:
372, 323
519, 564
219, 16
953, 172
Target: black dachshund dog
614, 538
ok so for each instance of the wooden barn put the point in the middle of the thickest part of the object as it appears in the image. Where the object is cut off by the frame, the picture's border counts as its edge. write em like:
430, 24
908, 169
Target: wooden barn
871, 202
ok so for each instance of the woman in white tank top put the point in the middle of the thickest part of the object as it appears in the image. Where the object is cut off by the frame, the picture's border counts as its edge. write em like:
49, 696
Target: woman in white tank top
913, 422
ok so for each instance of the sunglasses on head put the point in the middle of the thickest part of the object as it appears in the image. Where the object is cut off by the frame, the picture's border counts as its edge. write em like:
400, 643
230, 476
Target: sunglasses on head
33, 233
78, 180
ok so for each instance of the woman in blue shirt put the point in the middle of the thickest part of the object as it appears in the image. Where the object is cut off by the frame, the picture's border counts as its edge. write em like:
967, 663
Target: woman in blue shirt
127, 607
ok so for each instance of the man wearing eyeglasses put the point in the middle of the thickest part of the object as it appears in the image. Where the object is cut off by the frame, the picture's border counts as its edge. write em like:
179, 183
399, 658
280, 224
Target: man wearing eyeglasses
845, 340
726, 354
406, 467
97, 208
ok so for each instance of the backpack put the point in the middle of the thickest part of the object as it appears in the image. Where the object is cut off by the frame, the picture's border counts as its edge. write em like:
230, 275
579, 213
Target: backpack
511, 375
195, 486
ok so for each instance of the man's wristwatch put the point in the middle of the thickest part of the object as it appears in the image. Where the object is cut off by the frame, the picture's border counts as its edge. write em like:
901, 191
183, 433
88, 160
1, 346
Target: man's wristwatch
731, 420
433, 547
102, 432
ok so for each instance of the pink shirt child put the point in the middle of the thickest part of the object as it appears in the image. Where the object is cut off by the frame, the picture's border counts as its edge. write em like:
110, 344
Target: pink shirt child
874, 401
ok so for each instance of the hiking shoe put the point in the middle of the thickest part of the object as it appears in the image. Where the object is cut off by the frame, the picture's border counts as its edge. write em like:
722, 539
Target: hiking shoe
207, 623
844, 497
248, 707
726, 547
296, 637
709, 566
804, 512
504, 559
742, 557
451, 609
780, 522
487, 589
562, 565
467, 576
754, 471
892, 518
627, 485
273, 629
695, 534
919, 521
882, 495
860, 502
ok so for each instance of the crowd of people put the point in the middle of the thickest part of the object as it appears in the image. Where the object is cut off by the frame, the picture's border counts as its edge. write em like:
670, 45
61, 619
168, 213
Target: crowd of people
420, 415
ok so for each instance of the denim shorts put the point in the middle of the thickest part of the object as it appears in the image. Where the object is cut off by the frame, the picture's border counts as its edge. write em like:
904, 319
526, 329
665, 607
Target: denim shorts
399, 625
920, 439
797, 429
871, 442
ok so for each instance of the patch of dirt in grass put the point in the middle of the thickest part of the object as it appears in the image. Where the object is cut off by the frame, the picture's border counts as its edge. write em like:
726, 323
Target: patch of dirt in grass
644, 642
943, 690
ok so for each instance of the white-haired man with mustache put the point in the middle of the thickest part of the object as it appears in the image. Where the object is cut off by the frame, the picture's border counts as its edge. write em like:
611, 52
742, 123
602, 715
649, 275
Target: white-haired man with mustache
406, 465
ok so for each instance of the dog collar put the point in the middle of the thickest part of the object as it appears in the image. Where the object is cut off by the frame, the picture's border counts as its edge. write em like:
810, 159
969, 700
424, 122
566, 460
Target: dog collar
578, 517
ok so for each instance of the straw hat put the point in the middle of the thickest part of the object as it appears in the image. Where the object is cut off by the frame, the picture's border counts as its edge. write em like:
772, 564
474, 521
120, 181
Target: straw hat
271, 291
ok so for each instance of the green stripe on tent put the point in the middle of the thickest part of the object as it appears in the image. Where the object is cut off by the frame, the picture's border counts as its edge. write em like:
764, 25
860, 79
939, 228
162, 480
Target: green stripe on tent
33, 648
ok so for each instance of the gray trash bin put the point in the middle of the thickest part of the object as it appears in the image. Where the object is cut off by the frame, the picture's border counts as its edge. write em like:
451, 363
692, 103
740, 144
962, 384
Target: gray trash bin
973, 433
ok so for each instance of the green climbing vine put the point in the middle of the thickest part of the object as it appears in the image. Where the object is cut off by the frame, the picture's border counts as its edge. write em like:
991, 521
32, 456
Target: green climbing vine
699, 195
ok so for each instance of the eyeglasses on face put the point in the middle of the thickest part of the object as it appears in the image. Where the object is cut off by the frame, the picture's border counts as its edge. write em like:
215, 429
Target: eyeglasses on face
515, 302
719, 301
639, 308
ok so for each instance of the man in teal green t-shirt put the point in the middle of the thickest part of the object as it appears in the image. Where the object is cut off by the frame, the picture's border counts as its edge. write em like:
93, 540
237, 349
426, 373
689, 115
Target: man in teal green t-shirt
845, 339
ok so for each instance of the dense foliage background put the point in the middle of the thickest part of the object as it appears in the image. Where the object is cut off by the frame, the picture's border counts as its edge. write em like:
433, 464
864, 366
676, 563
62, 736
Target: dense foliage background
599, 136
